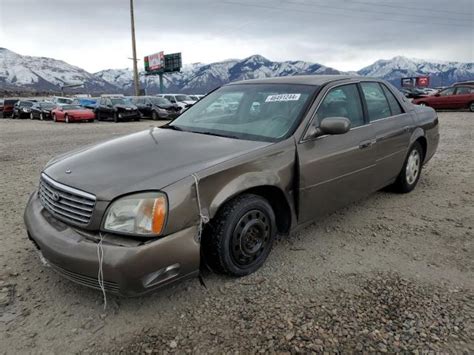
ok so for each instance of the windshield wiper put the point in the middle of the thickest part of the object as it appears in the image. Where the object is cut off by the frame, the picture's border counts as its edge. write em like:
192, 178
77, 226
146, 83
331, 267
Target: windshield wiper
176, 128
216, 134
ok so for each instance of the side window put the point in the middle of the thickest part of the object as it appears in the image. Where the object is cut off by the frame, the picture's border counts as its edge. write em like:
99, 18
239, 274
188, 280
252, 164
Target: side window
108, 102
464, 90
170, 98
377, 104
393, 102
343, 101
447, 92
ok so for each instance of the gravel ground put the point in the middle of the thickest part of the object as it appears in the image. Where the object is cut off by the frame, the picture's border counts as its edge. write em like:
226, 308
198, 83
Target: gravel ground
390, 273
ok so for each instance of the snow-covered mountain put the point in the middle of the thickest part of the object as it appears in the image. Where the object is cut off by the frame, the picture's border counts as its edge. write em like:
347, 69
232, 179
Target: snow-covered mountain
201, 78
40, 74
25, 73
441, 73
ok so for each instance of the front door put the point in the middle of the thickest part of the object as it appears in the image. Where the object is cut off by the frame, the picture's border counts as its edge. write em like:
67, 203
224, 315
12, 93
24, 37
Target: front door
335, 170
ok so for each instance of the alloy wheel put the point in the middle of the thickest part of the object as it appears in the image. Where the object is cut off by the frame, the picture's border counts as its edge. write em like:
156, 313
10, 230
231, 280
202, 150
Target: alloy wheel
413, 167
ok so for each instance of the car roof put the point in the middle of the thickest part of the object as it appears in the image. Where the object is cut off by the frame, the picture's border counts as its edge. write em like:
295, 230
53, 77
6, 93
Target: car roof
316, 80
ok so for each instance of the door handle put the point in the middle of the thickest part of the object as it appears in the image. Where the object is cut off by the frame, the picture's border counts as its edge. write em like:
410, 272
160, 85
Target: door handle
365, 144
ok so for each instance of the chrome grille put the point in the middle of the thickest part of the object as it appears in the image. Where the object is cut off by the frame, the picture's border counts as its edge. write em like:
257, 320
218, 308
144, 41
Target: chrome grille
64, 202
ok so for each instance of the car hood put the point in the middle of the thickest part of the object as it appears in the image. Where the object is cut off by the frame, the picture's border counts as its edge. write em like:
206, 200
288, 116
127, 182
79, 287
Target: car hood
78, 112
147, 160
124, 107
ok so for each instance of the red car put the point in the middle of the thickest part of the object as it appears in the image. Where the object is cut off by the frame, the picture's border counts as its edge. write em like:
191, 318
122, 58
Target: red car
456, 97
72, 113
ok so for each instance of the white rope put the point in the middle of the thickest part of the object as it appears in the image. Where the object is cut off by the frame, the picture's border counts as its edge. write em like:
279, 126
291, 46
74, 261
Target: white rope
100, 275
203, 219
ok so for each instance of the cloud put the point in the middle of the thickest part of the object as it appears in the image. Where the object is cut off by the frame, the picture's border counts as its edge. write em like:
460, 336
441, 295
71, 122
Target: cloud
344, 34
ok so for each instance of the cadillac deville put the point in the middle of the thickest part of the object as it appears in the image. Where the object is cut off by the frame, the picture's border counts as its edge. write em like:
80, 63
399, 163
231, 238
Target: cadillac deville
217, 186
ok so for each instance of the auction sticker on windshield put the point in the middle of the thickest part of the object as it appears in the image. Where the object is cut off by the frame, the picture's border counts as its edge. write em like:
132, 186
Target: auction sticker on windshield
283, 97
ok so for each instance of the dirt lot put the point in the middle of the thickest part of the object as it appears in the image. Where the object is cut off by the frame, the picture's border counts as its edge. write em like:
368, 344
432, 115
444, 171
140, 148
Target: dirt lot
390, 273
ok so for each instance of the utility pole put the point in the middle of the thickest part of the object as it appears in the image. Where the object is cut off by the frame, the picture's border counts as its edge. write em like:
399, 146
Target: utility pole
134, 52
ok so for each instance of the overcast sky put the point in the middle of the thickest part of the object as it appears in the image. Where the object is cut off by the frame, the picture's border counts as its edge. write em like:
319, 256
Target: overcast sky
344, 34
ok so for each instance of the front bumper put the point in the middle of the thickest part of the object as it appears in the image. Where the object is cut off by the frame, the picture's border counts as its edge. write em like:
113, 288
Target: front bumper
130, 268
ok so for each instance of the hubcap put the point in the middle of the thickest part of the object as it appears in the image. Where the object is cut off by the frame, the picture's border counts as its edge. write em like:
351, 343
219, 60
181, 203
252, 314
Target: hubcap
250, 237
413, 167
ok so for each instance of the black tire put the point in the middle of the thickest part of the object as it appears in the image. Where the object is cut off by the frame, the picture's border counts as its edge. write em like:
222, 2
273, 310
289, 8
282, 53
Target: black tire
116, 117
54, 118
240, 237
471, 106
32, 117
66, 119
41, 116
97, 115
405, 181
155, 116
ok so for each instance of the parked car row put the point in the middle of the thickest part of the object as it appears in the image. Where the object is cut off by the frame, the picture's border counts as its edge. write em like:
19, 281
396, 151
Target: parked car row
107, 107
458, 96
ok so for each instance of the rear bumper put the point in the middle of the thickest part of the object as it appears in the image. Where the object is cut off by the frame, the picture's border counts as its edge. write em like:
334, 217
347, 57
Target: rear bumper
129, 268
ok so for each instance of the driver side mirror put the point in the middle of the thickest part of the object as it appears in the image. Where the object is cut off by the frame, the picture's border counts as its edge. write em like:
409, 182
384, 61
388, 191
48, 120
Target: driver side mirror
330, 125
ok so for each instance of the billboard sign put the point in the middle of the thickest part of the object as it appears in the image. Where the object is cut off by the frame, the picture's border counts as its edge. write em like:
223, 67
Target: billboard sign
160, 63
423, 81
155, 61
415, 81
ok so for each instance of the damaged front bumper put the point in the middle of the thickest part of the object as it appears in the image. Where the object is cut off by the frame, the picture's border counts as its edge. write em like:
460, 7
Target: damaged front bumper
130, 267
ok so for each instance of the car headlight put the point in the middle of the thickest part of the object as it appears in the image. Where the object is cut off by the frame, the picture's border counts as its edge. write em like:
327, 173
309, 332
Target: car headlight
162, 110
142, 214
26, 110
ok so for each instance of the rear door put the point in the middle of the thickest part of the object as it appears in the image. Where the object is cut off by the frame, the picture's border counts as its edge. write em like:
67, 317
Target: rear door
464, 95
336, 169
392, 127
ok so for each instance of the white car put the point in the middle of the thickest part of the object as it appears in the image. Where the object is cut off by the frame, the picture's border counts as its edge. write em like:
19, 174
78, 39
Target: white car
182, 100
60, 101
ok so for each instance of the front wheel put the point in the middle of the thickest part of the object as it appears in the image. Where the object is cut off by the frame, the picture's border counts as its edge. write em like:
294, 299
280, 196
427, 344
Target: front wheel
471, 106
32, 117
66, 119
54, 118
239, 239
411, 171
154, 116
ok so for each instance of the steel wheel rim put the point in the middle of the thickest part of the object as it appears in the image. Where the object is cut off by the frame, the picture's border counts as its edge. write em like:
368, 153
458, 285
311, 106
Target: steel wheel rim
250, 238
413, 167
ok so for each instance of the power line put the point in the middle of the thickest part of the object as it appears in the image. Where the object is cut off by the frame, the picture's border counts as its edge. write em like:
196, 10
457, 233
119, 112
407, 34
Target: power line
337, 14
372, 11
410, 7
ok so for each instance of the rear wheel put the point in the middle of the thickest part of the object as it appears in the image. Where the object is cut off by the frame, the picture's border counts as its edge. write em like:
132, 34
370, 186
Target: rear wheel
471, 106
54, 118
239, 239
42, 116
154, 116
66, 119
411, 171
32, 117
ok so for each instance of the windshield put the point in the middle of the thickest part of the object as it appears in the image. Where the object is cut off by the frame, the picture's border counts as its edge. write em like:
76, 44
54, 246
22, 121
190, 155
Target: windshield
159, 101
73, 107
118, 102
47, 105
182, 98
26, 104
60, 100
267, 112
